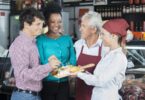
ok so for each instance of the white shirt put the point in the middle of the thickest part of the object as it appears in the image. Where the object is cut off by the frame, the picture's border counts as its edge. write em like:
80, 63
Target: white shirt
108, 76
93, 50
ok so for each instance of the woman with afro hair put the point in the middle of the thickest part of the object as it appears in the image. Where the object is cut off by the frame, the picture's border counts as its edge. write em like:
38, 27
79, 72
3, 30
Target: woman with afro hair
53, 42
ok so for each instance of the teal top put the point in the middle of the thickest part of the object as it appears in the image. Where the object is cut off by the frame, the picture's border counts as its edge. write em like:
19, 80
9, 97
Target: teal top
61, 47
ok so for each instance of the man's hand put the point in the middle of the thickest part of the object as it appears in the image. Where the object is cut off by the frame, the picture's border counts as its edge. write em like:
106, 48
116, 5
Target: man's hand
53, 62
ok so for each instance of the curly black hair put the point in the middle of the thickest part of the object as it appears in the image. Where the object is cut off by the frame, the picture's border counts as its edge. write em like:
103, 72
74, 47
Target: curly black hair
51, 8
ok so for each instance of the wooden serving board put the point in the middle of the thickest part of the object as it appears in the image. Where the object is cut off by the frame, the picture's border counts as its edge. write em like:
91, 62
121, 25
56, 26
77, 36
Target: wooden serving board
88, 66
67, 72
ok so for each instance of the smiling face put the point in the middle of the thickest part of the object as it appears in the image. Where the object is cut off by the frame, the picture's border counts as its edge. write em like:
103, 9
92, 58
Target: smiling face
36, 27
55, 23
106, 37
86, 30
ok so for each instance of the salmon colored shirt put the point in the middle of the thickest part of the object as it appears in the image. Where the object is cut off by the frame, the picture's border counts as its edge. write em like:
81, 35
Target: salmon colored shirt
25, 61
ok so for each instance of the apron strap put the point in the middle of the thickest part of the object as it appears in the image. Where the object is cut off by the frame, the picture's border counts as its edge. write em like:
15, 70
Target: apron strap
82, 49
100, 50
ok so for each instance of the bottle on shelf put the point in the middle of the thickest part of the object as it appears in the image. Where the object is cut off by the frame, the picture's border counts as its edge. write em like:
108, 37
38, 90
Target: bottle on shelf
100, 11
133, 9
120, 12
114, 12
130, 1
137, 9
140, 27
132, 25
142, 1
144, 26
124, 9
111, 13
127, 10
26, 4
105, 13
39, 4
143, 8
137, 27
136, 1
117, 12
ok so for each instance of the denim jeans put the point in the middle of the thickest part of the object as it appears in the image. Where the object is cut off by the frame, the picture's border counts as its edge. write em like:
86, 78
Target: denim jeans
23, 96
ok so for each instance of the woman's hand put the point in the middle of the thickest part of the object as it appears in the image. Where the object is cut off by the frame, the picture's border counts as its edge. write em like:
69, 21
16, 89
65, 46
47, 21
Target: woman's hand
54, 62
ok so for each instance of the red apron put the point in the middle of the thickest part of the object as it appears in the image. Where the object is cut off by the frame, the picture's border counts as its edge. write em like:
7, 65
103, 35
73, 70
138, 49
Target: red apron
83, 91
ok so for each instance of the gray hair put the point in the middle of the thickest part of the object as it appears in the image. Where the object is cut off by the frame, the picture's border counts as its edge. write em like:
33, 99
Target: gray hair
95, 20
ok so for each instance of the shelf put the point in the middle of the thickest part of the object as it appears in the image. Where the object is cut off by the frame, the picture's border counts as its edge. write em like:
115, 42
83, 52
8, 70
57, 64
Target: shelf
136, 71
81, 3
136, 43
118, 2
136, 13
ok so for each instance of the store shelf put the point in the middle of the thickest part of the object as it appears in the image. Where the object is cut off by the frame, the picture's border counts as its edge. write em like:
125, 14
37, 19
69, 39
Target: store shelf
136, 71
79, 3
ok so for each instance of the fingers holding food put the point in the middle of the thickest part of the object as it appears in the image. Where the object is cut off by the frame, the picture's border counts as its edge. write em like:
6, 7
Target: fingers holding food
54, 62
53, 57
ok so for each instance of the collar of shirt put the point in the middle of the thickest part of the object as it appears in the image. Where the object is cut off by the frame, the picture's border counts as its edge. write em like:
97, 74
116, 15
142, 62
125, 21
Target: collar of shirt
116, 50
28, 38
98, 43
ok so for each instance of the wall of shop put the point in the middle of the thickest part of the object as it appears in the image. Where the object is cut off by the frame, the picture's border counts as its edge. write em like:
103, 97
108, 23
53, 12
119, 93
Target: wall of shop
4, 24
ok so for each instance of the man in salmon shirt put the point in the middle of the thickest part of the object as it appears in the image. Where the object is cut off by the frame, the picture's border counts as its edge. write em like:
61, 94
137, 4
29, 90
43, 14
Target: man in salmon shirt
25, 58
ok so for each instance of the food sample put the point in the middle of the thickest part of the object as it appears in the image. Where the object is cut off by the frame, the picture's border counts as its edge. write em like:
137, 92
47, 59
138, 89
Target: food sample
65, 71
75, 69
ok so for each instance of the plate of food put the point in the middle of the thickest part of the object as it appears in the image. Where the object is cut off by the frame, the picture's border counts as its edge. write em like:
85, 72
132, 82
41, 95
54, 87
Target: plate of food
65, 71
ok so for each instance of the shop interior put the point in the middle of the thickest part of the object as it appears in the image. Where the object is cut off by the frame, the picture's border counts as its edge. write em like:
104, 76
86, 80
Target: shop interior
72, 10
